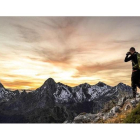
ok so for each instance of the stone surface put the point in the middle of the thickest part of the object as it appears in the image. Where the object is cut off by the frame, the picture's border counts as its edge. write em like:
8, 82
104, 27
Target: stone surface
86, 118
115, 110
121, 101
123, 104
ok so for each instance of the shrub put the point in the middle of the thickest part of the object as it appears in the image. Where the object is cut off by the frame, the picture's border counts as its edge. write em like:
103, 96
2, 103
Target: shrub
134, 116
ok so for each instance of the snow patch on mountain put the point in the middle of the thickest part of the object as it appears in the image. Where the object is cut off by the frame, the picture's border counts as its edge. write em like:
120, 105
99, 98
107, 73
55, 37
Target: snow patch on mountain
86, 92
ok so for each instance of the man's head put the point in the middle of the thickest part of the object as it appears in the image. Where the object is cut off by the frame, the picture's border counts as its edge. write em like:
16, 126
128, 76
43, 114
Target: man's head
132, 50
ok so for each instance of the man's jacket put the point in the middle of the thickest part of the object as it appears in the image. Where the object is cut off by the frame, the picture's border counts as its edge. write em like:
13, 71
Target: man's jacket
134, 60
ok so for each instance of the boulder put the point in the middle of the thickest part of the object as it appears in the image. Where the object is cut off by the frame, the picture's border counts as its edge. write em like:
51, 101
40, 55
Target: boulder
133, 102
115, 109
107, 115
138, 99
86, 118
128, 107
137, 95
121, 101
130, 103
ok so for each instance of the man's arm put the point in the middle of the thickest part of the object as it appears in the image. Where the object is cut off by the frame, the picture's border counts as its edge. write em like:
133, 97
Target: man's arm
127, 58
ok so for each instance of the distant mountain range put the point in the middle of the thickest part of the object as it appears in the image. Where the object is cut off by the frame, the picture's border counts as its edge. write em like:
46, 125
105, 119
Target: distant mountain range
56, 102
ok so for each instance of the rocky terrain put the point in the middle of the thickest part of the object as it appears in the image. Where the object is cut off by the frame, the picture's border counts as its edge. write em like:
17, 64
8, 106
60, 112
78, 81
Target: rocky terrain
123, 106
57, 103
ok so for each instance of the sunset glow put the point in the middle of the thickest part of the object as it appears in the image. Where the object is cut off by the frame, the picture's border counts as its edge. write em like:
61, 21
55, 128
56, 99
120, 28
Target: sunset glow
71, 50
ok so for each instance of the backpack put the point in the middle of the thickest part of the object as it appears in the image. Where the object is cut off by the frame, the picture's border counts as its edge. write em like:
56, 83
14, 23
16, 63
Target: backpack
138, 64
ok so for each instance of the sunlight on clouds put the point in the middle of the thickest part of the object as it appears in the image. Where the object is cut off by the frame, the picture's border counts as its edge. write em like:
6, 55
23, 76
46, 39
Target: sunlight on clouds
71, 50
10, 79
25, 87
24, 72
76, 81
62, 74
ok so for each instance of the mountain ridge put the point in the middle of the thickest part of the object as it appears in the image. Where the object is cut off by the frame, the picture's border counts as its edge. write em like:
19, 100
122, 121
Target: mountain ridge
61, 102
53, 81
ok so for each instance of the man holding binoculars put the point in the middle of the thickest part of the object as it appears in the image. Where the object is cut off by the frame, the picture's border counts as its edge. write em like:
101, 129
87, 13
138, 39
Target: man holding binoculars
135, 77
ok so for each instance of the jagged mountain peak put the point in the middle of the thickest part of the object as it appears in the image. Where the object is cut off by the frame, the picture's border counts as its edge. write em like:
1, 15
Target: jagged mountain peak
50, 85
50, 81
101, 84
121, 84
85, 85
60, 83
24, 92
1, 86
17, 92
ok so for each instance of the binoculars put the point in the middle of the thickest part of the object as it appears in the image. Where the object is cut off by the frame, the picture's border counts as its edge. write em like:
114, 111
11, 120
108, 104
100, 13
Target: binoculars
128, 53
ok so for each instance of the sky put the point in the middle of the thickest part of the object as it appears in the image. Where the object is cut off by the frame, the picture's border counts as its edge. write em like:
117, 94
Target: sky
71, 50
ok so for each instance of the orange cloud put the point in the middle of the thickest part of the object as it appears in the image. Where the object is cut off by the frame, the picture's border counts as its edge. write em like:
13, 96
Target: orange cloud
71, 50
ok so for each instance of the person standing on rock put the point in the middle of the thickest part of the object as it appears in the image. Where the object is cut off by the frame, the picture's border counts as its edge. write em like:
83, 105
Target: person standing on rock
135, 76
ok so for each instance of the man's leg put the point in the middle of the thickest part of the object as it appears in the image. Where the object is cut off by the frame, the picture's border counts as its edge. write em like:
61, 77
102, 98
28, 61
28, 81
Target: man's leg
138, 79
134, 83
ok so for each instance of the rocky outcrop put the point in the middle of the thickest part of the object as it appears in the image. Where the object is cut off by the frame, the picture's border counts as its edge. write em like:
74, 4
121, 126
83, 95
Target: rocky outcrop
87, 118
1, 86
123, 105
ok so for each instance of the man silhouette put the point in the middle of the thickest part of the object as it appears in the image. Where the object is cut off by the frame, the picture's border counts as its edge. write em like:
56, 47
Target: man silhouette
135, 76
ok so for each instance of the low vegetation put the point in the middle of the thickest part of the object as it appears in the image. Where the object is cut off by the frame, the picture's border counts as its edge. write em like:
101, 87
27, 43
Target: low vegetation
134, 116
